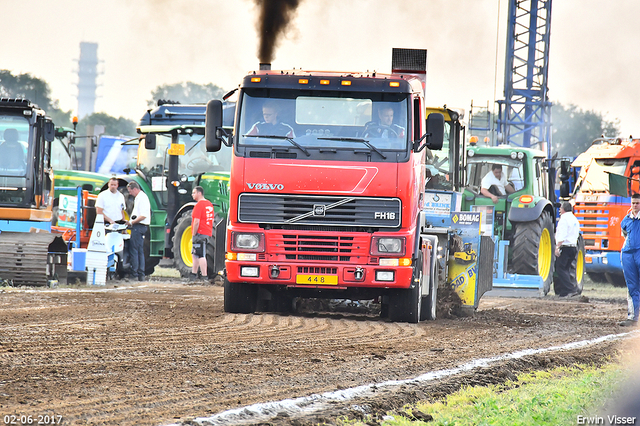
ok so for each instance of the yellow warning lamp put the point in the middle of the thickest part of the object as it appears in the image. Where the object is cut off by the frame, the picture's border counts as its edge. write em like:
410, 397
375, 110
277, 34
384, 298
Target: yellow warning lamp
74, 120
473, 140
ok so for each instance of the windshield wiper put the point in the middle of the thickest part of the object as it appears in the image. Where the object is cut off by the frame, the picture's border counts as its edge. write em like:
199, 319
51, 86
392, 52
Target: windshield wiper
364, 141
284, 138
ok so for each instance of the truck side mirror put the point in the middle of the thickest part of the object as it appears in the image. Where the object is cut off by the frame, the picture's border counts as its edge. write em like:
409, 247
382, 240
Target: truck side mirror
435, 131
49, 131
150, 141
213, 124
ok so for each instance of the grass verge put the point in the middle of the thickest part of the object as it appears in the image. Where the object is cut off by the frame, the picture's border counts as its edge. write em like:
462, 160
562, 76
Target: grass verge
555, 397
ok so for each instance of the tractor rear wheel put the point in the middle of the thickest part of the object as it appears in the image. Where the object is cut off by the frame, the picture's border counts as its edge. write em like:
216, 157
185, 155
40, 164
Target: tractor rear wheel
533, 249
577, 266
182, 244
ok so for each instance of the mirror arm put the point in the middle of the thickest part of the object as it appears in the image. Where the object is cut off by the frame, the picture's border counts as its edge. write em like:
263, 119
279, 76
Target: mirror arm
225, 135
416, 144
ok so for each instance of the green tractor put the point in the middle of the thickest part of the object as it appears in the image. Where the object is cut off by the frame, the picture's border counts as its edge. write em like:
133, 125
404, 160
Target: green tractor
523, 221
172, 160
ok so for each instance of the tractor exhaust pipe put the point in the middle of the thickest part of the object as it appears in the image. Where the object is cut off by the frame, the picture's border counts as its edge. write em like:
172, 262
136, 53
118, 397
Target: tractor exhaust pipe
265, 66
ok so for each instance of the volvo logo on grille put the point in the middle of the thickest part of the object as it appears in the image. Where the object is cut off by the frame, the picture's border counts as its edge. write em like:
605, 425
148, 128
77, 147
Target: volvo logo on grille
318, 209
384, 215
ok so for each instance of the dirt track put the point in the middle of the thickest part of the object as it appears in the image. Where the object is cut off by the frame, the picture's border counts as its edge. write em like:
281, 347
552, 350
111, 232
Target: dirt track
157, 353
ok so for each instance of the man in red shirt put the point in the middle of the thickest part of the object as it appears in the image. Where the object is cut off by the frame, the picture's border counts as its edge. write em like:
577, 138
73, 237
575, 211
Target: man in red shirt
201, 231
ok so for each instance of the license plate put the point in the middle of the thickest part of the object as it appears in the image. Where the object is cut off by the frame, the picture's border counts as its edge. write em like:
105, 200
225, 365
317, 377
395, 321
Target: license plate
588, 259
317, 279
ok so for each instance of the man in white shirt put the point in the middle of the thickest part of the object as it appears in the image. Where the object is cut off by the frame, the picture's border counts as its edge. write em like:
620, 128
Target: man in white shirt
567, 234
110, 203
495, 184
139, 222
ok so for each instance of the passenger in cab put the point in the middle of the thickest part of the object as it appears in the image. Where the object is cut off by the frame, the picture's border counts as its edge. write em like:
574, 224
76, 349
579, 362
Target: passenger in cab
495, 184
271, 126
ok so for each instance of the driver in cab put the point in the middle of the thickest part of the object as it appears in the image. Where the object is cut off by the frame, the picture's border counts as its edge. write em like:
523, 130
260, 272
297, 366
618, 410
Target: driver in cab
384, 127
271, 126
495, 184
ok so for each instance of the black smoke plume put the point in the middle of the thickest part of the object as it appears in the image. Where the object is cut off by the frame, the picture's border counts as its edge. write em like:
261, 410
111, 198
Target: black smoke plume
275, 16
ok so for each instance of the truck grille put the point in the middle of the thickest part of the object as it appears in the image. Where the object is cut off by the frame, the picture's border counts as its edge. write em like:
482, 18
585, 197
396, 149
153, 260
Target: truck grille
594, 224
319, 210
333, 248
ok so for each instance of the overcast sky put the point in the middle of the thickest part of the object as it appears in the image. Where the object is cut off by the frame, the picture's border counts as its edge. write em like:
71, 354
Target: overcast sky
594, 58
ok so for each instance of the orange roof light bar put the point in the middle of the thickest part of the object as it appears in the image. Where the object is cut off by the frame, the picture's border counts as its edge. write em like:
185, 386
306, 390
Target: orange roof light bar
394, 84
324, 81
255, 79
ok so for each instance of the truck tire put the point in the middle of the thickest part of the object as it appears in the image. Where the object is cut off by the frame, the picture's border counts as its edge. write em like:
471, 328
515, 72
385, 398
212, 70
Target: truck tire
533, 249
597, 277
405, 305
240, 298
182, 245
430, 303
616, 280
577, 266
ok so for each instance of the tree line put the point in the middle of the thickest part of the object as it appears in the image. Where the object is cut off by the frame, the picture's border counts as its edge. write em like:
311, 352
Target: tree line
38, 92
573, 128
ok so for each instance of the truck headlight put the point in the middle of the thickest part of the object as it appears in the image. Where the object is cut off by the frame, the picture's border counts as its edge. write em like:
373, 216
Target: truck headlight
247, 241
387, 246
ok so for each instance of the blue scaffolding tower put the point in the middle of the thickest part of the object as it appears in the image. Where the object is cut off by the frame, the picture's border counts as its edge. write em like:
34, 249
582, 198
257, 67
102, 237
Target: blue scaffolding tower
524, 116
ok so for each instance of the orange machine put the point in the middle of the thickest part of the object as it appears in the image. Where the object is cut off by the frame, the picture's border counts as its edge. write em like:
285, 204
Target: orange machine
64, 222
597, 206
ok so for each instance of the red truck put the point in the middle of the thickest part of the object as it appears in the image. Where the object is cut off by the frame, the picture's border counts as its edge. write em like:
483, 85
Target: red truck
327, 181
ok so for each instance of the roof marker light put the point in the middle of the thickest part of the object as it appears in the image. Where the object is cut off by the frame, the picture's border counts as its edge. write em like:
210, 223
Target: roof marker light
303, 81
255, 79
345, 83
324, 81
394, 84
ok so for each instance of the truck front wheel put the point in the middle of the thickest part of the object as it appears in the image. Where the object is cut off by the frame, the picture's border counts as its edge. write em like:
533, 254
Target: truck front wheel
240, 298
533, 249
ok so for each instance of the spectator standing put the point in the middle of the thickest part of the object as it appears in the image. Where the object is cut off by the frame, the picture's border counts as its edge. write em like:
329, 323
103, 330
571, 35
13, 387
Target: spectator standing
139, 222
201, 231
110, 203
631, 257
567, 234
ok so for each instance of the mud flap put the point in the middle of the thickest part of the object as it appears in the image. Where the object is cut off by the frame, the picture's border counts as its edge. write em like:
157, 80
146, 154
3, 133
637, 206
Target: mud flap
485, 267
221, 245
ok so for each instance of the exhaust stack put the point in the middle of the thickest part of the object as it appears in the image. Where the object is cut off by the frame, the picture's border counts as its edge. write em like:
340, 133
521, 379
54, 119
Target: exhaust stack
265, 66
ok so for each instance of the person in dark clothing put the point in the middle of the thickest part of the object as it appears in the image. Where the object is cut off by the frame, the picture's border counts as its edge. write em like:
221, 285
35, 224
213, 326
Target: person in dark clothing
567, 234
271, 126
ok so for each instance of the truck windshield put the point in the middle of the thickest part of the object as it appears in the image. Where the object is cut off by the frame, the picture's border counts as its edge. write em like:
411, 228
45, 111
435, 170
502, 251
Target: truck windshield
195, 160
324, 124
595, 176
479, 166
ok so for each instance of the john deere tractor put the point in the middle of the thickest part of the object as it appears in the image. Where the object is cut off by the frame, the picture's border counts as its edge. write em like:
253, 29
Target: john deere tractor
522, 221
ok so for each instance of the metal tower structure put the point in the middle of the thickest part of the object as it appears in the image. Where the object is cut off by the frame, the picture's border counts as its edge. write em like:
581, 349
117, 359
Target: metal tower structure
87, 74
525, 113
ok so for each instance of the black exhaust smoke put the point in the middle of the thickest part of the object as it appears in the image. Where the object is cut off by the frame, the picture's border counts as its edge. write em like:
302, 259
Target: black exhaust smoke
275, 16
